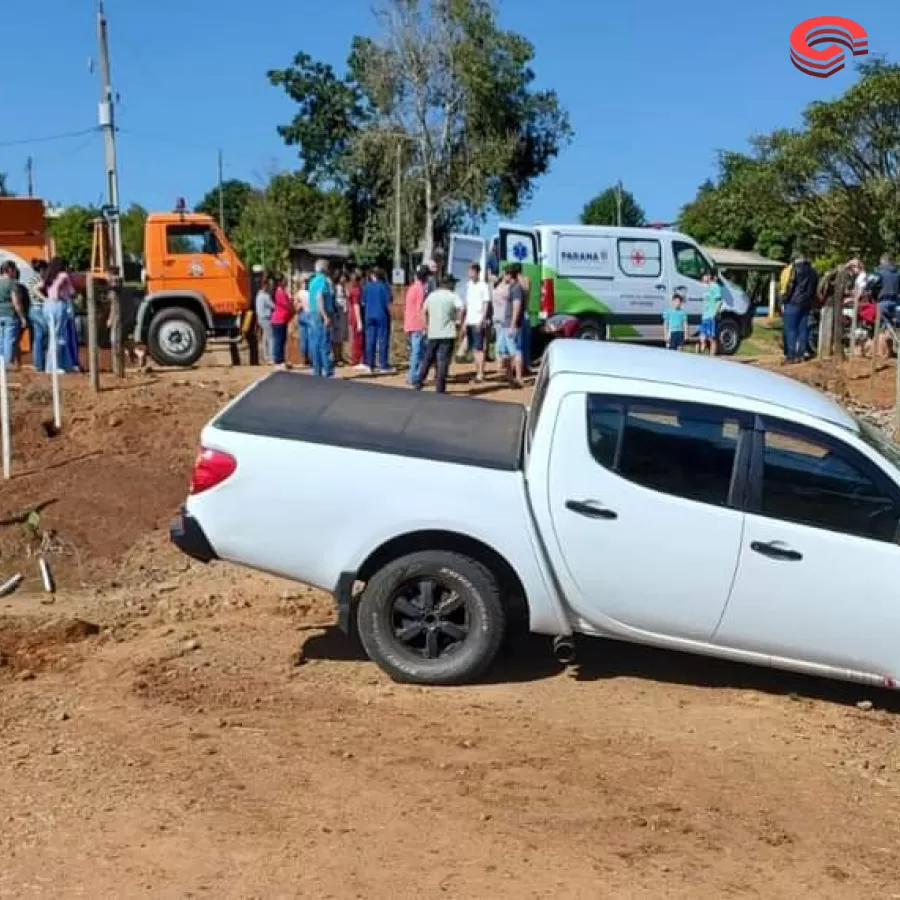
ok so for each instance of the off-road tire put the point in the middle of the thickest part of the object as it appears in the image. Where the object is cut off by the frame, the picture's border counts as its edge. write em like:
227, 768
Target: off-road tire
467, 578
173, 317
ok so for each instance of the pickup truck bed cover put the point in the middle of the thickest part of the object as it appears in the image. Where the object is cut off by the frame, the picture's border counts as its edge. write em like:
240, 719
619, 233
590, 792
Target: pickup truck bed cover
399, 421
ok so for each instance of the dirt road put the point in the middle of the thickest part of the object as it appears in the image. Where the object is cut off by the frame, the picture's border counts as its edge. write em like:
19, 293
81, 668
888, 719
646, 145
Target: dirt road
174, 730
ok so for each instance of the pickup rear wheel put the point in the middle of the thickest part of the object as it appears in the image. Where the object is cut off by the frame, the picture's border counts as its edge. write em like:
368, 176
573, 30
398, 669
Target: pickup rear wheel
432, 618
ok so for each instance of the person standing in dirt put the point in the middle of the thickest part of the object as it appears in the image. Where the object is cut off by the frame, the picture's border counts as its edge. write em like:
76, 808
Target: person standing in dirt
799, 297
36, 320
377, 301
321, 321
414, 323
355, 320
478, 296
265, 306
60, 315
889, 292
709, 317
339, 328
12, 316
443, 310
282, 310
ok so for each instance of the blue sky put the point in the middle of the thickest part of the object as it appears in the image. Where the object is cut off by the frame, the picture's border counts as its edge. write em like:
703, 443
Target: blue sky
654, 89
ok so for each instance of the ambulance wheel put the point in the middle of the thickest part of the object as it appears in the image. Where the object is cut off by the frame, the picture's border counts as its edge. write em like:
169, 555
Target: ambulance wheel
729, 336
591, 330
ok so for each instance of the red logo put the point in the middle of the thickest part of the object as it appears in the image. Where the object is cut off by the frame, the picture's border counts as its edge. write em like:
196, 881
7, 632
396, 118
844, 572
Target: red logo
638, 258
830, 30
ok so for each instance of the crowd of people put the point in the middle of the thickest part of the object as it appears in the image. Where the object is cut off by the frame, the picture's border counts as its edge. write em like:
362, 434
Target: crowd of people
345, 318
872, 298
38, 315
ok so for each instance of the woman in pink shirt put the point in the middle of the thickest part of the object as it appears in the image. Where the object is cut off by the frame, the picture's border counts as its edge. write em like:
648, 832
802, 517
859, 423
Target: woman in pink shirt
282, 312
414, 323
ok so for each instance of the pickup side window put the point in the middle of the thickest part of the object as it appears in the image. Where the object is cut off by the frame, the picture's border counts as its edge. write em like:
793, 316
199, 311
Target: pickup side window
640, 258
191, 240
815, 481
685, 449
689, 261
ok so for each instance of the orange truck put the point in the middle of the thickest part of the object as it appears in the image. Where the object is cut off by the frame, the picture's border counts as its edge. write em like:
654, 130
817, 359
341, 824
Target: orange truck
197, 288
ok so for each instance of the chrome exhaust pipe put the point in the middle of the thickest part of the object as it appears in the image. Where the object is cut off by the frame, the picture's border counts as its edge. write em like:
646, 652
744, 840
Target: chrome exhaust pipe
564, 649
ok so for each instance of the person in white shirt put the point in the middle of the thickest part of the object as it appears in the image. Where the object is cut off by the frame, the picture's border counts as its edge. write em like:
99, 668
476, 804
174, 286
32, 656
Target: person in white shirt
478, 296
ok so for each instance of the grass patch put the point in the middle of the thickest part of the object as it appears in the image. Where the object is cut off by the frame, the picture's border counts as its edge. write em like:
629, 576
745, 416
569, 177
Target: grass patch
765, 340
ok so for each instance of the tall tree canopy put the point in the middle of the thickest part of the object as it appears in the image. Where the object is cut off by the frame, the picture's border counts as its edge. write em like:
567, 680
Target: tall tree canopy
73, 235
448, 87
132, 223
288, 210
831, 186
235, 196
604, 209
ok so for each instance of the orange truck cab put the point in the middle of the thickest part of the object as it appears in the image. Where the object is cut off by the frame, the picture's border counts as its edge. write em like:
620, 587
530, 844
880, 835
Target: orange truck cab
197, 288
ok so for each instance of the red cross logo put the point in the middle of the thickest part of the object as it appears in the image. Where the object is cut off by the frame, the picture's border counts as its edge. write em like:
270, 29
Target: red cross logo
638, 258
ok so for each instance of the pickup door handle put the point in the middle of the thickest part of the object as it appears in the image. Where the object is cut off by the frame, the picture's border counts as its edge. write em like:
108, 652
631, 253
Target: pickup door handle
591, 509
776, 550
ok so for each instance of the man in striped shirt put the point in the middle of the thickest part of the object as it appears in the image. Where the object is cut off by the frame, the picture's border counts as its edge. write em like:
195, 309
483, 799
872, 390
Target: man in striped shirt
36, 321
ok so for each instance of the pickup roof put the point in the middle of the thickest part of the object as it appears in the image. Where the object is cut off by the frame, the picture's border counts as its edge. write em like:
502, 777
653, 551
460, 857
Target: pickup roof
647, 496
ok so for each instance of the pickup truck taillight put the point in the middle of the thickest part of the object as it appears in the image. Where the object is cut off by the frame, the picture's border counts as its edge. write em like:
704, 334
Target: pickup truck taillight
548, 299
211, 468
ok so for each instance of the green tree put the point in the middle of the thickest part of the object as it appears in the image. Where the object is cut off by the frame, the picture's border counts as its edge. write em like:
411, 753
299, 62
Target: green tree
235, 196
73, 234
448, 87
604, 209
289, 210
133, 223
831, 186
4, 189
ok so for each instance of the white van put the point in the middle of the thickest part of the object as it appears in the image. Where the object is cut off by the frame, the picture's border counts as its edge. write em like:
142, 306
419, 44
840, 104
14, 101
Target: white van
615, 281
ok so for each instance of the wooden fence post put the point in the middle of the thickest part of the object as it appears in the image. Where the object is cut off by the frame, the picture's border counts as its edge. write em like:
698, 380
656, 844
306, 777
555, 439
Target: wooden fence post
93, 347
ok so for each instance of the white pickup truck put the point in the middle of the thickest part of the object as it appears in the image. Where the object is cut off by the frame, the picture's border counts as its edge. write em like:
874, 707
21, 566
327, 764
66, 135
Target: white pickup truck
647, 496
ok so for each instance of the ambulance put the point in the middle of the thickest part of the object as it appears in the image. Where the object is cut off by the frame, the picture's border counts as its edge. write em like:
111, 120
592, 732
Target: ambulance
615, 281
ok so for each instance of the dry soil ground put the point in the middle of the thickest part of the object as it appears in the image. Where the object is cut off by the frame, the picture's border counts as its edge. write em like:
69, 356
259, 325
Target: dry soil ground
174, 730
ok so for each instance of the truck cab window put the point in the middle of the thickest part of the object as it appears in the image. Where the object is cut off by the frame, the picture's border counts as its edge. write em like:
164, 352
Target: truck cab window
811, 482
191, 240
689, 261
674, 448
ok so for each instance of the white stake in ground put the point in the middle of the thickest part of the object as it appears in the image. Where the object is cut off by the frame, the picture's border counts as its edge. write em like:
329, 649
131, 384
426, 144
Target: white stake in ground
54, 375
4, 418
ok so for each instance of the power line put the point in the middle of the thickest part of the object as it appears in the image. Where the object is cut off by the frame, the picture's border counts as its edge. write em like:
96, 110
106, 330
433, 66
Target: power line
20, 142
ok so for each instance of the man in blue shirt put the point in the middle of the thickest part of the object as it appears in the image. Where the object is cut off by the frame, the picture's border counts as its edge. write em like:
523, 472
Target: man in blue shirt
321, 314
377, 302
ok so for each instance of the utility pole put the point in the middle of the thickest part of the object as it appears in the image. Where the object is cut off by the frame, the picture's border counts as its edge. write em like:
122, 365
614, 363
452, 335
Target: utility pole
108, 125
29, 171
619, 204
221, 194
398, 177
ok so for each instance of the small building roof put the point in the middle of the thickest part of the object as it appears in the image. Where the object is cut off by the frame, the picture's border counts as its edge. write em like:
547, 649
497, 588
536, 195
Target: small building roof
745, 260
328, 248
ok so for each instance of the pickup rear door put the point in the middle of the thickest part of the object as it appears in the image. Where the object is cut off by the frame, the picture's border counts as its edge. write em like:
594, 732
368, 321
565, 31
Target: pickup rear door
645, 498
